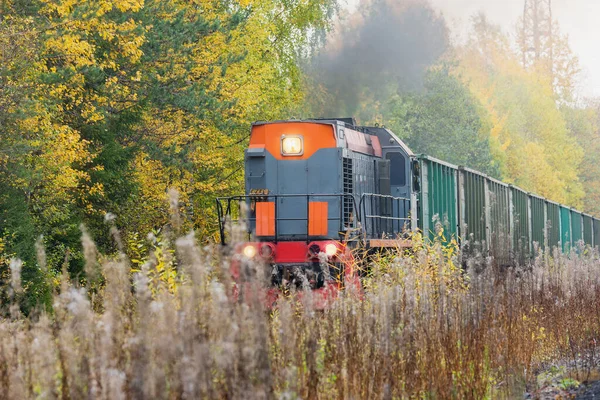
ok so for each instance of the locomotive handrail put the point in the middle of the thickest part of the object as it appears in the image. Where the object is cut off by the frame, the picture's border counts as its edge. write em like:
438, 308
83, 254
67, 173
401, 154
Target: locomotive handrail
375, 229
222, 214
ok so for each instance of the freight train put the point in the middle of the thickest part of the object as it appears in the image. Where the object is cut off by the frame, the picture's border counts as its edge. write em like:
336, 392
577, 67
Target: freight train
323, 187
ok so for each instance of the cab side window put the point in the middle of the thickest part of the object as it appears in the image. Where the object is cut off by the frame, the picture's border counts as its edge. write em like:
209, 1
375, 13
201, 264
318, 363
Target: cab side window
397, 169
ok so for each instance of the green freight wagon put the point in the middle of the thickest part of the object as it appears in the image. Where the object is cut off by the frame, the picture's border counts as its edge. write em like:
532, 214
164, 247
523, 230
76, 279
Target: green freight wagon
537, 206
474, 218
497, 219
438, 197
596, 233
498, 204
587, 230
565, 228
520, 223
553, 224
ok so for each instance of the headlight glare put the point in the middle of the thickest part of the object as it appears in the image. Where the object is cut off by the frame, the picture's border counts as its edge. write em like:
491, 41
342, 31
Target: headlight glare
292, 145
331, 249
249, 251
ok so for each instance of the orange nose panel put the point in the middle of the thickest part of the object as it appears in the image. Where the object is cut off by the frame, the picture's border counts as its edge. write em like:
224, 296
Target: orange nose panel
265, 218
317, 218
315, 137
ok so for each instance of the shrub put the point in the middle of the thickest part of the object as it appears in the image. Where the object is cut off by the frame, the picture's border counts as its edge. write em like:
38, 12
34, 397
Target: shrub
423, 329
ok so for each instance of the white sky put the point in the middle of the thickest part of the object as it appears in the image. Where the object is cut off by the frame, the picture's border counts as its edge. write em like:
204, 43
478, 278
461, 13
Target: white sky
577, 18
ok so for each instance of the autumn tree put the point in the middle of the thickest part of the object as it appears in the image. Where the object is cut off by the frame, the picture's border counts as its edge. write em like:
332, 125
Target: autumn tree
529, 136
444, 121
584, 125
106, 105
40, 175
545, 50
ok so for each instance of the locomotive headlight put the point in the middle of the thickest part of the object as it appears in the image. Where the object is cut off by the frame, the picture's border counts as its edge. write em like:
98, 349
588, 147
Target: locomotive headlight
267, 251
331, 249
249, 251
292, 145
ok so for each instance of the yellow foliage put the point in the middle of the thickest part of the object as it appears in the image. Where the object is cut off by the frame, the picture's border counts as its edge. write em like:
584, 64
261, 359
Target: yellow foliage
528, 136
163, 92
55, 181
426, 264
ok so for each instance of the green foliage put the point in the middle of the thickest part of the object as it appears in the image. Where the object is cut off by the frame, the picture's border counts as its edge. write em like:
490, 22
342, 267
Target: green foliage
583, 125
444, 121
568, 383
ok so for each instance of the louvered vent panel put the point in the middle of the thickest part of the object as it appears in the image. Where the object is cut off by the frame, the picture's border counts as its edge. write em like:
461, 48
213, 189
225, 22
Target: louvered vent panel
348, 190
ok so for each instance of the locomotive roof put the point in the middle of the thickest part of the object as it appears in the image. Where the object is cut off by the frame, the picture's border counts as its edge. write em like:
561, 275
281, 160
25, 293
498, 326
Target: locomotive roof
324, 121
386, 137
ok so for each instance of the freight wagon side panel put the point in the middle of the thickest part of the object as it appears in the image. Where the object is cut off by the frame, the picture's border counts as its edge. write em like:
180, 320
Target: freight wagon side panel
553, 221
473, 218
521, 239
565, 228
587, 230
499, 212
576, 228
538, 221
596, 231
438, 198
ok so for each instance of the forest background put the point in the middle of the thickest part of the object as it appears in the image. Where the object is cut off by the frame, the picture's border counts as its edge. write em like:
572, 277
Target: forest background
107, 105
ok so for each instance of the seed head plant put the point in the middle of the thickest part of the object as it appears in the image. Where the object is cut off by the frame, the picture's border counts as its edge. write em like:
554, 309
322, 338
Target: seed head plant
425, 326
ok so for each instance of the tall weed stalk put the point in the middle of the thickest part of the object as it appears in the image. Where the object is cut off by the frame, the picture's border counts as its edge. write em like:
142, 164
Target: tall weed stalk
424, 328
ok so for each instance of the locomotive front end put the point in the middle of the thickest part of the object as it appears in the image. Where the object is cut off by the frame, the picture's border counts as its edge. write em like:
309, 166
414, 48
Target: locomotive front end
307, 183
298, 212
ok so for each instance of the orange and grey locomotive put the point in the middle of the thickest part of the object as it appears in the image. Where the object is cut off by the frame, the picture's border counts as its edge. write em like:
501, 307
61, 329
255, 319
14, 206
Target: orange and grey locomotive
319, 188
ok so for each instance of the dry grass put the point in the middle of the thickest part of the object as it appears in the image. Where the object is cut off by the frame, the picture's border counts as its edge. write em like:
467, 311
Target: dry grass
425, 329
